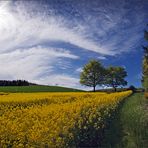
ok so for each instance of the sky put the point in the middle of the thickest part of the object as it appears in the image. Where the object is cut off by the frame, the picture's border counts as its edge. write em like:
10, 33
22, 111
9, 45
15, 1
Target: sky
49, 41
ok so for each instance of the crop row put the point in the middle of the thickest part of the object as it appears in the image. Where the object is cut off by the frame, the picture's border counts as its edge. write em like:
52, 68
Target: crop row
63, 120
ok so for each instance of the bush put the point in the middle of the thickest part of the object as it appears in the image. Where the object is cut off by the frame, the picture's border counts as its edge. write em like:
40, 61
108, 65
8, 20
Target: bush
133, 88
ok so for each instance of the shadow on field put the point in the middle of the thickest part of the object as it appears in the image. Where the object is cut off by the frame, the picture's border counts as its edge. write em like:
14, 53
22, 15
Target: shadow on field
113, 134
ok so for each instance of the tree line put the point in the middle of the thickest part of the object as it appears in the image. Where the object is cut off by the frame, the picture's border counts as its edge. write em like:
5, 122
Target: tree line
14, 83
95, 74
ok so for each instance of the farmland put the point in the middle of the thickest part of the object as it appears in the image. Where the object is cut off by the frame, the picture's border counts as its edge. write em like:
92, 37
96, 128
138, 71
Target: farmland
56, 119
37, 88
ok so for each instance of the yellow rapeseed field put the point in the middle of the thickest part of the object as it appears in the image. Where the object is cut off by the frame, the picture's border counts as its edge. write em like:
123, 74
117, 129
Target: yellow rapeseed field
55, 119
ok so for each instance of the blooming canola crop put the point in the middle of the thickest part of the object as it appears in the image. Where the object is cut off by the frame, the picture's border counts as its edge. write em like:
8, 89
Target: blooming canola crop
55, 119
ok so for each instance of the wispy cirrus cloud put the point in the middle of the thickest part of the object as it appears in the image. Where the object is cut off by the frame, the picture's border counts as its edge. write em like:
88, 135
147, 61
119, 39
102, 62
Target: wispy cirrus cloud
22, 30
31, 30
32, 63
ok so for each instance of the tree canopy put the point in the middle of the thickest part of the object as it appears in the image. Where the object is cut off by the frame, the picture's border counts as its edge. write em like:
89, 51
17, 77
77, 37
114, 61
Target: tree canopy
115, 77
14, 83
92, 74
145, 63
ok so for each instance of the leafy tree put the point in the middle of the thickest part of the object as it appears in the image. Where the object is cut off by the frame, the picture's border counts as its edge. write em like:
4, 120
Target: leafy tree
92, 74
145, 64
133, 88
115, 77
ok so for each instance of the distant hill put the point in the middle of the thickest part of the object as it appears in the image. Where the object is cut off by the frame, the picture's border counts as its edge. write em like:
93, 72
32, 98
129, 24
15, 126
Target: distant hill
37, 88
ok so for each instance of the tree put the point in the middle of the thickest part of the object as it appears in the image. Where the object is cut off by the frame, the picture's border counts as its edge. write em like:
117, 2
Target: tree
14, 83
133, 88
115, 77
145, 64
92, 74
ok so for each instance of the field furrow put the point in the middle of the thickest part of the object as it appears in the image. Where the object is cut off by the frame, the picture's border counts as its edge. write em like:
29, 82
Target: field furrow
55, 120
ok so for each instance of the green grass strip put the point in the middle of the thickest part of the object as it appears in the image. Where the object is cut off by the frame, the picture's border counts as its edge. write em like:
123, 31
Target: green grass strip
37, 88
129, 128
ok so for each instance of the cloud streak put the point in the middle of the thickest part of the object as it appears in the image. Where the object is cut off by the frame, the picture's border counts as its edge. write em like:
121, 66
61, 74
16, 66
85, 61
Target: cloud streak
31, 30
30, 64
19, 29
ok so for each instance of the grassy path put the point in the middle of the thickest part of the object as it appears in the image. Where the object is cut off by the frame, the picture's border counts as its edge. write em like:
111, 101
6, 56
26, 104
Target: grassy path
129, 128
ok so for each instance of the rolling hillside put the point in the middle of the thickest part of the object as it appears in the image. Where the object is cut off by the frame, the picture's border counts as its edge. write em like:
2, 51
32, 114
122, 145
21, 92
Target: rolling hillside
37, 88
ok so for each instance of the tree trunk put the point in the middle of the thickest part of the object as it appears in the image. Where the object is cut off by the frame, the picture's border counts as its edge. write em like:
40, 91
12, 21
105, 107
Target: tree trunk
115, 89
94, 88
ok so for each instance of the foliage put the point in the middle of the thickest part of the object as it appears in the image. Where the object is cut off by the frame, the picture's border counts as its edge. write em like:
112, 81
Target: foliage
145, 64
115, 77
55, 119
133, 88
92, 74
145, 83
14, 83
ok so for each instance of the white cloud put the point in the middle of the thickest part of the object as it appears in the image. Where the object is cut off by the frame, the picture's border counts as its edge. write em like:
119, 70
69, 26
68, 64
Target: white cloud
62, 80
101, 57
24, 32
59, 79
21, 53
19, 29
31, 63
79, 69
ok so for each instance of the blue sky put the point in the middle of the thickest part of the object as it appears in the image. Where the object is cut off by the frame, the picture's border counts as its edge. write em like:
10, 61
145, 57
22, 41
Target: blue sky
49, 41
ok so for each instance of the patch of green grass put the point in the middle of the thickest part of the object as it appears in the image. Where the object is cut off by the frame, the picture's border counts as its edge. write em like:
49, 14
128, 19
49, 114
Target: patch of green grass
37, 88
129, 128
134, 119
